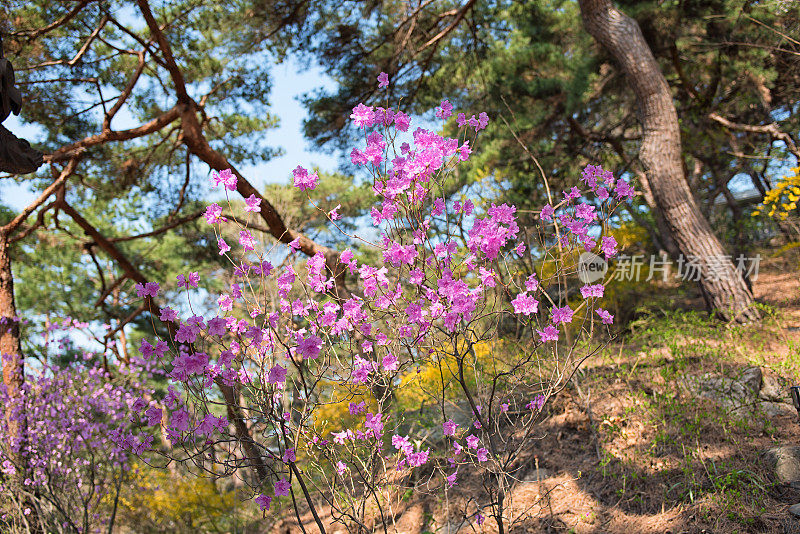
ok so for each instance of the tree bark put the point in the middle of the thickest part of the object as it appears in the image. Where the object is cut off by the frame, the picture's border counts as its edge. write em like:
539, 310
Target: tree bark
660, 154
13, 362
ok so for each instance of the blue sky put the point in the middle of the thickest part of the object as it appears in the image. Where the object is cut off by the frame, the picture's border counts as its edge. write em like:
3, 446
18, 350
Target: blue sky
288, 84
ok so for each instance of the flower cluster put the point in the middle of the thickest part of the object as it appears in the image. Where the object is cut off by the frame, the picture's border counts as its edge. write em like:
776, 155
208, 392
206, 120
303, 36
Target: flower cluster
76, 415
314, 344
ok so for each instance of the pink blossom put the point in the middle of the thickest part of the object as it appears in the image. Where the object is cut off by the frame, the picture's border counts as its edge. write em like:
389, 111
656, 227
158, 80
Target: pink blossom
138, 405
309, 347
282, 487
223, 246
606, 317
304, 181
417, 459
487, 277
402, 444
623, 190
153, 416
192, 281
252, 204
525, 304
451, 479
609, 246
572, 194
149, 289
246, 240
226, 178
363, 116
356, 409
482, 454
390, 363
536, 403
402, 121
472, 441
444, 110
549, 333
593, 291
383, 80
225, 302
449, 427
216, 326
168, 314
562, 315
374, 423
277, 374
179, 420
213, 214
531, 283
263, 502
289, 456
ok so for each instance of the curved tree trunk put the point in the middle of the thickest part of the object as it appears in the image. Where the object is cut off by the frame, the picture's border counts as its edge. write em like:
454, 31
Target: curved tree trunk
660, 154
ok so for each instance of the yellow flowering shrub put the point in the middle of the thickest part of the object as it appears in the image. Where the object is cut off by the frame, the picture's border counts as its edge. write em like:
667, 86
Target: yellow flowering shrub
159, 500
781, 201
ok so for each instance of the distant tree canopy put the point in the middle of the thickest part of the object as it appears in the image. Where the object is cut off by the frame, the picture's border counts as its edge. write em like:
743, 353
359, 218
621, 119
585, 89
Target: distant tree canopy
145, 117
733, 69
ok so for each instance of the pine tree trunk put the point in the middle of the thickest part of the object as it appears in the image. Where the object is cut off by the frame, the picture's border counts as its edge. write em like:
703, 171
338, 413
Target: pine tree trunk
660, 154
13, 362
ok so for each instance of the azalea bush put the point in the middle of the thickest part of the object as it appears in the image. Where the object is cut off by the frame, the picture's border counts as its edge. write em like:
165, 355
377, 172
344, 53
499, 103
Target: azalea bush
76, 407
337, 389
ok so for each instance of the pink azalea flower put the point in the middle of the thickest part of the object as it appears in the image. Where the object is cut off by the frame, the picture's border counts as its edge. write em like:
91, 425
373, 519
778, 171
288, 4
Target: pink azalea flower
451, 479
263, 502
444, 110
383, 80
606, 317
246, 240
364, 116
550, 333
309, 347
304, 181
390, 363
150, 289
593, 291
168, 314
449, 427
609, 246
562, 315
252, 204
213, 214
226, 178
277, 374
282, 487
525, 304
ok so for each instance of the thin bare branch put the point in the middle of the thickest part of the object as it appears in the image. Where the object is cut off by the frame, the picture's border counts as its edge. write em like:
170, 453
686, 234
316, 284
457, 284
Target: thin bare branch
771, 129
58, 182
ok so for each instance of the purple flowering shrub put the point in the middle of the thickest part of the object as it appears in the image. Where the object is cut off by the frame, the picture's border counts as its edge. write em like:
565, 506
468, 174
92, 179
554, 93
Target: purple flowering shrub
253, 386
73, 412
